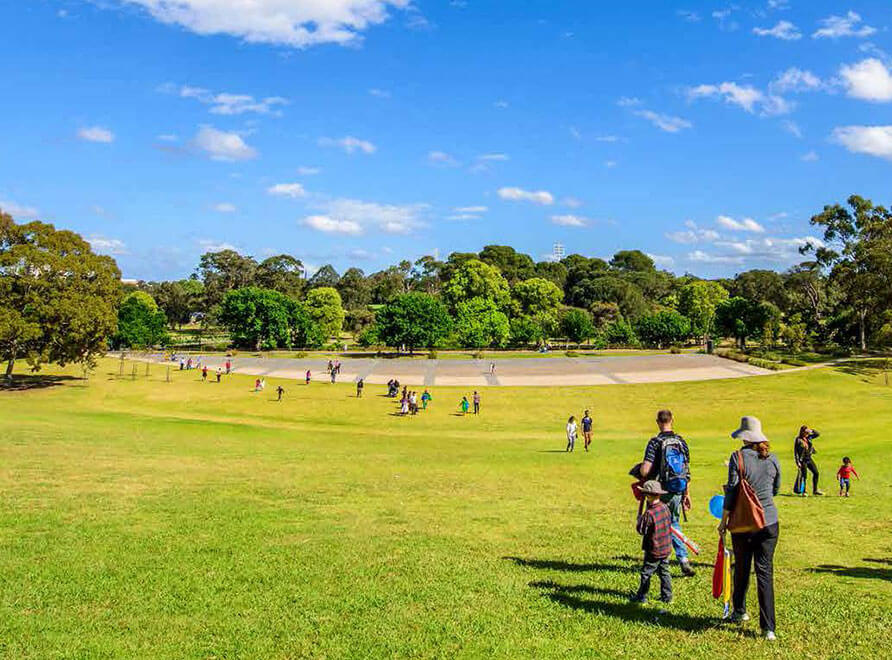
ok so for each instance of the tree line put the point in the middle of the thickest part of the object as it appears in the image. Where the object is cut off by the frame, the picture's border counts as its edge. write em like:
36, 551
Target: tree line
840, 295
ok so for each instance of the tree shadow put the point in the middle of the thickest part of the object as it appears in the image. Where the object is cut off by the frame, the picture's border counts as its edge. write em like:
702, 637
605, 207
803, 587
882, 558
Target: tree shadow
695, 564
888, 562
579, 589
22, 383
855, 571
552, 451
564, 595
864, 369
559, 565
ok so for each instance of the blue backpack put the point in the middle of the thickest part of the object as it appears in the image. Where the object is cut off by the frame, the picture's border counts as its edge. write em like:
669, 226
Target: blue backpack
674, 469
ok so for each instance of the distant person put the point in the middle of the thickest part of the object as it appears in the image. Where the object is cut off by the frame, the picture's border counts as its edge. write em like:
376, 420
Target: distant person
189, 364
413, 402
262, 384
329, 367
667, 459
334, 375
803, 451
476, 403
754, 463
425, 399
404, 404
182, 364
492, 368
654, 525
464, 405
219, 374
257, 385
308, 377
280, 391
228, 367
204, 373
571, 433
587, 429
844, 474
359, 386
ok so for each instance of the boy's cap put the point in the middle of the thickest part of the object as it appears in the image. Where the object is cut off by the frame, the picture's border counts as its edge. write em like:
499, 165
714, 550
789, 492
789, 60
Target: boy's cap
652, 487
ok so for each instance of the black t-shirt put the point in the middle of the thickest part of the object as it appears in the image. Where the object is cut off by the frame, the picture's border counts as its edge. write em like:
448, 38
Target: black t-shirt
586, 423
654, 453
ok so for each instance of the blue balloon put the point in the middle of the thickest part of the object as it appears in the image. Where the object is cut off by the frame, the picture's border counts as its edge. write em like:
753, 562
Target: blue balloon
716, 503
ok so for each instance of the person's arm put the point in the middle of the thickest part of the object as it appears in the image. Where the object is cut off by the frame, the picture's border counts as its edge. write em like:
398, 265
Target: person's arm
777, 475
650, 456
686, 499
855, 472
643, 523
813, 434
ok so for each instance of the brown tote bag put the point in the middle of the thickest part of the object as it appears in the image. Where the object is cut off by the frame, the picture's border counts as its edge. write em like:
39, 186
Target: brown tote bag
748, 514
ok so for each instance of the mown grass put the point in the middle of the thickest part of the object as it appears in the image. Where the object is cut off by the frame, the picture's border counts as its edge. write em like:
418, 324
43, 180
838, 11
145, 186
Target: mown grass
145, 519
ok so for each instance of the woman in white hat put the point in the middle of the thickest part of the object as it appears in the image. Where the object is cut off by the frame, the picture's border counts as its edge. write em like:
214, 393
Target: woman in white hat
761, 470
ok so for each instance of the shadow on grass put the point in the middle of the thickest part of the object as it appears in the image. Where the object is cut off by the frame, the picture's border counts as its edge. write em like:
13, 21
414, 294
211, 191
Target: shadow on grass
566, 595
855, 571
34, 382
637, 560
864, 369
559, 565
888, 562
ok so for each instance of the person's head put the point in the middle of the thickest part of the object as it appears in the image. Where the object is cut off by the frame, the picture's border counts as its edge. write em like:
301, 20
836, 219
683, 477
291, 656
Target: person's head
571, 420
763, 449
664, 420
652, 490
651, 498
586, 413
846, 460
803, 431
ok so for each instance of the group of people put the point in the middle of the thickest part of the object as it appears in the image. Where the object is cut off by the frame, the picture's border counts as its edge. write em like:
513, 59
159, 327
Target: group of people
409, 401
754, 479
465, 405
572, 430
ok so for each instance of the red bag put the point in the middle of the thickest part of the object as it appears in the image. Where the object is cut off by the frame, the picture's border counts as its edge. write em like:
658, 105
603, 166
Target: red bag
748, 514
717, 571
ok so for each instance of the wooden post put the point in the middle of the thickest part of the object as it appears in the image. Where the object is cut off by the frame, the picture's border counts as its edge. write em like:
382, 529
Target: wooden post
168, 373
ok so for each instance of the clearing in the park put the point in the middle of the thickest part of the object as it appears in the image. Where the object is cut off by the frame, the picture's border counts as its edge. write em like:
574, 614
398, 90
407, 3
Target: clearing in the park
144, 519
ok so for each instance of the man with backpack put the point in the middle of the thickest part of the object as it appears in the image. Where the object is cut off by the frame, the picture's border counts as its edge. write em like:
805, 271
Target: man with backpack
667, 459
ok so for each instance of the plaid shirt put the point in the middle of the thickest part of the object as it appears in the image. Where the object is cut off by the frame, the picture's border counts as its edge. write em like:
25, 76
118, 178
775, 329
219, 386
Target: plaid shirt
654, 525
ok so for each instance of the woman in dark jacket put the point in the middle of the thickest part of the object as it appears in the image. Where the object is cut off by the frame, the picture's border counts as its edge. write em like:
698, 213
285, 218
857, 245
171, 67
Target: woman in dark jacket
762, 471
803, 450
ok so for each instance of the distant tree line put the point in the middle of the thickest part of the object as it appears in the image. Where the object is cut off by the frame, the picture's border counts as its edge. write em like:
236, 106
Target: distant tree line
839, 296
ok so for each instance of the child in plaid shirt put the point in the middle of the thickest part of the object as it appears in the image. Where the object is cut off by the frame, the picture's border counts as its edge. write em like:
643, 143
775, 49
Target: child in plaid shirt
653, 525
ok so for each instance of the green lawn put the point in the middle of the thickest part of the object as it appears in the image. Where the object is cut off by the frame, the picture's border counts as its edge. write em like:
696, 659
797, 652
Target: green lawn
145, 519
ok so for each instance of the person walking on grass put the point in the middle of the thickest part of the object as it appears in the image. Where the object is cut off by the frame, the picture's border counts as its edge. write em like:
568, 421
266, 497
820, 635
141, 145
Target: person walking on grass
204, 373
257, 385
359, 386
308, 377
219, 374
755, 464
334, 375
667, 459
654, 525
425, 399
404, 403
413, 402
844, 474
476, 403
571, 433
587, 429
280, 391
464, 405
803, 451
228, 367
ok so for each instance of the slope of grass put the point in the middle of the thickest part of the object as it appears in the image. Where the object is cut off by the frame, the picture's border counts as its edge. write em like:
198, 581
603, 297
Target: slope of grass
167, 520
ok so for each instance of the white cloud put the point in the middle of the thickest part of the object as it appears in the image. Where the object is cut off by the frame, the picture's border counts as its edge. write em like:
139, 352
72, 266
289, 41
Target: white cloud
470, 209
744, 224
210, 245
744, 96
308, 171
330, 225
168, 137
493, 157
849, 25
792, 128
520, 195
871, 140
292, 190
628, 102
663, 261
380, 93
501, 104
796, 80
571, 202
869, 79
687, 15
441, 158
223, 146
699, 256
225, 207
610, 164
569, 220
665, 123
96, 134
810, 157
607, 138
463, 216
294, 23
226, 103
783, 30
112, 246
349, 214
693, 234
349, 144
18, 211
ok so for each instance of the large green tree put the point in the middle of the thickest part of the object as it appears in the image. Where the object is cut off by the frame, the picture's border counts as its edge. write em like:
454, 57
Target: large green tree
224, 271
355, 289
141, 324
326, 276
480, 323
265, 319
179, 299
58, 299
282, 273
576, 325
475, 279
698, 301
663, 328
325, 307
414, 320
513, 265
743, 319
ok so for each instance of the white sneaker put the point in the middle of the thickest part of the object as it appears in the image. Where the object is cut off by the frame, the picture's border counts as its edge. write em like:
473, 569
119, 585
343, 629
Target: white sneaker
740, 618
770, 636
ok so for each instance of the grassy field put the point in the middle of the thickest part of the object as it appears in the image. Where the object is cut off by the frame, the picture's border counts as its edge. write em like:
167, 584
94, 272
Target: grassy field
145, 519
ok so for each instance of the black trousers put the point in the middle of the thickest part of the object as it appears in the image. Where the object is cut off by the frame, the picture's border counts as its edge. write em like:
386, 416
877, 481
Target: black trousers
756, 548
650, 566
806, 466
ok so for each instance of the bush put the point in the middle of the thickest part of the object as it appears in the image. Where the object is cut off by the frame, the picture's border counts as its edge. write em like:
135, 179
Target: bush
794, 362
432, 354
571, 354
675, 350
300, 355
765, 364
479, 355
730, 354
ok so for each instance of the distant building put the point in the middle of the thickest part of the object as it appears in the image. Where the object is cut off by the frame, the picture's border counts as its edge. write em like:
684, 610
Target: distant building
557, 252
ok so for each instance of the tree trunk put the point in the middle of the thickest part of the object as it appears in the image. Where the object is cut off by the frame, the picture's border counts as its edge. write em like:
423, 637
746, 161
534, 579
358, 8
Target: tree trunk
9, 366
862, 316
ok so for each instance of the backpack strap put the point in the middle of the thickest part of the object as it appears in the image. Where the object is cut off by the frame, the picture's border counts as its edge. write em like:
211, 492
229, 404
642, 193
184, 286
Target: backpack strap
741, 466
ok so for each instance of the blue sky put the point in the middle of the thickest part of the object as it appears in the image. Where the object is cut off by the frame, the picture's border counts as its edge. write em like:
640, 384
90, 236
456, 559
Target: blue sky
360, 132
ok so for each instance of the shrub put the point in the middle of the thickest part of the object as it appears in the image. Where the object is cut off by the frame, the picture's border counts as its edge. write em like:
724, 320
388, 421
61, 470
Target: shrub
675, 350
571, 354
300, 355
479, 355
765, 364
795, 362
432, 354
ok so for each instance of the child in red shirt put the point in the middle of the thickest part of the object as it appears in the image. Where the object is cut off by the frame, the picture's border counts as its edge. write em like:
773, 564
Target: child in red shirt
844, 474
654, 525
